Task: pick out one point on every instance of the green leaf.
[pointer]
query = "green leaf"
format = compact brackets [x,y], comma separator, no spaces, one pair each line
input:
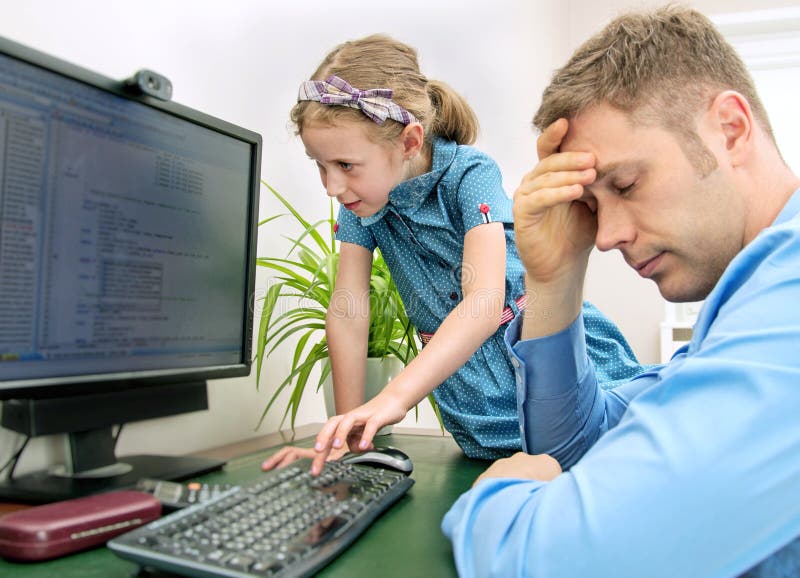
[272,218]
[316,236]
[263,326]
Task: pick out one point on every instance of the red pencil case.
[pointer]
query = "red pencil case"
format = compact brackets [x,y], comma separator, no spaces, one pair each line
[53,530]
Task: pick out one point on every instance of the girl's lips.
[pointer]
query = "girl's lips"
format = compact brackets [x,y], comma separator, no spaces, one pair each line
[352,206]
[647,268]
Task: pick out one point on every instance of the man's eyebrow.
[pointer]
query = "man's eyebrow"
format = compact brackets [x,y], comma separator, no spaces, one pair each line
[605,170]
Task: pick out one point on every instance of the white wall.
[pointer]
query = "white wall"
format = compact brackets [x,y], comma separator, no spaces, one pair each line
[242,60]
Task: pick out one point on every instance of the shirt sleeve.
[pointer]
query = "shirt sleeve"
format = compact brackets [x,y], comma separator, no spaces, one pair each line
[563,411]
[481,198]
[350,230]
[697,476]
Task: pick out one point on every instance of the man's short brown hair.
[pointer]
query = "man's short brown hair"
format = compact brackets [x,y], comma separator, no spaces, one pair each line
[661,67]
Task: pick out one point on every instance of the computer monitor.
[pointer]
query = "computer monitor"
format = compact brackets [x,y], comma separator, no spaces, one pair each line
[127,265]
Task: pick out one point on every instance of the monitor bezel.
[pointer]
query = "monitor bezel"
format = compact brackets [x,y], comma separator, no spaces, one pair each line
[64,386]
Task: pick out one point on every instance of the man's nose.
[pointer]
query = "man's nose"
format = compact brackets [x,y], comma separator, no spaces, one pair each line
[614,227]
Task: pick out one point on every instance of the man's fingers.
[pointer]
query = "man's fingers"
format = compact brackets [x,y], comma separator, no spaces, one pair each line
[544,199]
[574,164]
[554,179]
[550,140]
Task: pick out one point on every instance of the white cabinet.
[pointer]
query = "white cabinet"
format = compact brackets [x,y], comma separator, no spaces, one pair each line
[676,329]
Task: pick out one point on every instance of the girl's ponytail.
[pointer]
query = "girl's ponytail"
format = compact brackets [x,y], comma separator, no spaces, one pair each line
[453,117]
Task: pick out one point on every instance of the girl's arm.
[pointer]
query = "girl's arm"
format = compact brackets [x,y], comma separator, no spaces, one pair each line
[347,331]
[473,321]
[347,326]
[463,331]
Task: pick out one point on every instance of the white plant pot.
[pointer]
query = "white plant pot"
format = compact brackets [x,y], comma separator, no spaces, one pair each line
[380,370]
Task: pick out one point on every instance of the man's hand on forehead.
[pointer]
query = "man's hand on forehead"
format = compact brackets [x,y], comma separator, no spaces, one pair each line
[572,168]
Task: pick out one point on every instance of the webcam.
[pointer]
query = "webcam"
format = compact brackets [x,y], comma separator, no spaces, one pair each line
[150,83]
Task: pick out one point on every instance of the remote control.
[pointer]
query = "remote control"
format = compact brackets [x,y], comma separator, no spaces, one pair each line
[174,495]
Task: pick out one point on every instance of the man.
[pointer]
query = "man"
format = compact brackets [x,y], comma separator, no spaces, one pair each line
[654,142]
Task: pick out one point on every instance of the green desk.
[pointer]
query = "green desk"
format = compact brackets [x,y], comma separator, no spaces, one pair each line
[405,541]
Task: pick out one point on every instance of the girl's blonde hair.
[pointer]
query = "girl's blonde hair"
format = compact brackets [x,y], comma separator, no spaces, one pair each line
[378,61]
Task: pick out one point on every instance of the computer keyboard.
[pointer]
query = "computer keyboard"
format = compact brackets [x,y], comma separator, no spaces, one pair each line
[286,523]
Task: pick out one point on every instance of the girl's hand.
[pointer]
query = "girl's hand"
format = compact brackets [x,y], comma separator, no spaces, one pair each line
[357,427]
[554,223]
[287,455]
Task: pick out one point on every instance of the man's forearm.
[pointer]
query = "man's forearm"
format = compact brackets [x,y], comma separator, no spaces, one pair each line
[551,307]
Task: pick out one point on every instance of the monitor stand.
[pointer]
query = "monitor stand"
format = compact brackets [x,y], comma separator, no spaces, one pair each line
[86,422]
[55,485]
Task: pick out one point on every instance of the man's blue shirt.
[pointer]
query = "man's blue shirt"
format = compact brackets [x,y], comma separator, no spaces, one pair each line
[690,469]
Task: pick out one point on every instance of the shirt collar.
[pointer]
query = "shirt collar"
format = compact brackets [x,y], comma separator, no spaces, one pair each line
[408,196]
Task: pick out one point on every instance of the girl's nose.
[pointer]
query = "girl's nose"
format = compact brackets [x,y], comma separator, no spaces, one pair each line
[335,185]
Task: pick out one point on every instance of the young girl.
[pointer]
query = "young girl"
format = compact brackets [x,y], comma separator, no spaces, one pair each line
[392,148]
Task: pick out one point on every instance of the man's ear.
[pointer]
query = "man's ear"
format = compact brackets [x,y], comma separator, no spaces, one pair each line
[732,114]
[412,138]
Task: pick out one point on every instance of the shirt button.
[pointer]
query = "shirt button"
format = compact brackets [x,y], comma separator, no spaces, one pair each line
[454,296]
[515,362]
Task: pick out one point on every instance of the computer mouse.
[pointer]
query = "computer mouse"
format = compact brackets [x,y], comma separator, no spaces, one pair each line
[385,457]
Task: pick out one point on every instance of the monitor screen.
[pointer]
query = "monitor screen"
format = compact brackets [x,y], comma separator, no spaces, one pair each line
[127,235]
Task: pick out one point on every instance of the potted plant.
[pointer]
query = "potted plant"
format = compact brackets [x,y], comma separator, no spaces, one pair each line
[303,283]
